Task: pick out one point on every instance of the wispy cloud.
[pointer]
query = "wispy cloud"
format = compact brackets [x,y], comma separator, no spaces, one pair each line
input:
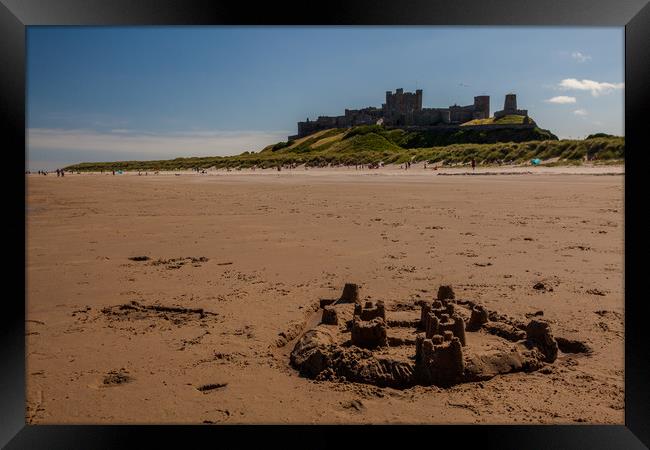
[596,88]
[561,99]
[580,112]
[580,57]
[122,142]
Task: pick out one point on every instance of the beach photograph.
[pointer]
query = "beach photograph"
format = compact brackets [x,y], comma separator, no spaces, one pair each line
[325,225]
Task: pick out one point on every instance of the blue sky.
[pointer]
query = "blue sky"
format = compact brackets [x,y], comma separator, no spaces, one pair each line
[116,93]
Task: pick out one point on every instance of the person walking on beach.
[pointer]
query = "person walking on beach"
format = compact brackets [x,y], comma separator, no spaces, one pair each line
[473,164]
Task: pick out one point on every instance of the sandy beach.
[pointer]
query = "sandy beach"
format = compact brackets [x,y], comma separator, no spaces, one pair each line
[200,331]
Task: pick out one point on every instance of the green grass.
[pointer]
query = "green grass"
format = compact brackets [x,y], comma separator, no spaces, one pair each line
[505,120]
[374,144]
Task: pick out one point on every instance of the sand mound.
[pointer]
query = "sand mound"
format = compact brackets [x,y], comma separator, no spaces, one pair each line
[447,342]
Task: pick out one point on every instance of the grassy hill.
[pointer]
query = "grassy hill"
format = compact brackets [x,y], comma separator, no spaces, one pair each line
[373,144]
[505,120]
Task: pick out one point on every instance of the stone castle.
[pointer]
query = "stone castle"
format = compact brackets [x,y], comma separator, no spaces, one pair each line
[404,109]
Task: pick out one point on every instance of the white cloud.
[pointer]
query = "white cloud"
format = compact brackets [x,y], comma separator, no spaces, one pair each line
[580,112]
[159,145]
[580,57]
[561,99]
[596,88]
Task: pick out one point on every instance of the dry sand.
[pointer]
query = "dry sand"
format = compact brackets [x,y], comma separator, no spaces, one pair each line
[260,248]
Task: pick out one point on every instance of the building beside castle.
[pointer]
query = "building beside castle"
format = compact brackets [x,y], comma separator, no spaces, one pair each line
[404,109]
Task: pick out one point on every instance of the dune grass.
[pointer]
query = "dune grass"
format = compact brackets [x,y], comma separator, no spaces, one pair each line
[375,144]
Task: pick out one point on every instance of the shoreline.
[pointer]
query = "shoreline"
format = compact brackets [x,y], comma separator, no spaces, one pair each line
[390,170]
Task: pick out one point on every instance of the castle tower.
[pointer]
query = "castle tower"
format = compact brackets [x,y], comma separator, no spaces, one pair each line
[482,107]
[511,102]
[510,108]
[418,100]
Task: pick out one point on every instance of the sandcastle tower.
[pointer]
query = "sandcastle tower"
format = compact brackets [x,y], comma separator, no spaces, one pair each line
[539,332]
[439,316]
[369,328]
[350,293]
[478,318]
[439,360]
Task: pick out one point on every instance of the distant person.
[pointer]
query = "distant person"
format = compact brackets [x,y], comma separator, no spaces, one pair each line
[473,164]
[58,173]
[113,172]
[62,173]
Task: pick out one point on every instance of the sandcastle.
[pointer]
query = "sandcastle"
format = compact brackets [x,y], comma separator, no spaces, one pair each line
[449,341]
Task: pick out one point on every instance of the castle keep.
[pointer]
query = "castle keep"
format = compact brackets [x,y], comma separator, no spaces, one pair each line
[404,109]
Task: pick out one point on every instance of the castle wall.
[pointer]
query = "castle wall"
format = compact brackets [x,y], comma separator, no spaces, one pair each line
[512,112]
[461,114]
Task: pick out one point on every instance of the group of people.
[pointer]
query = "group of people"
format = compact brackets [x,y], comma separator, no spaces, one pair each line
[374,165]
[59,172]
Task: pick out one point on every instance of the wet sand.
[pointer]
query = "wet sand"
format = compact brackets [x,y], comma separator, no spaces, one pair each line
[236,258]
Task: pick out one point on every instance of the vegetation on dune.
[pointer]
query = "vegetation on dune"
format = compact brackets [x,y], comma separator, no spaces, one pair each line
[600,135]
[375,144]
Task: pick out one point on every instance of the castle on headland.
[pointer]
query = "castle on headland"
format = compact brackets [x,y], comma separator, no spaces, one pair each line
[404,109]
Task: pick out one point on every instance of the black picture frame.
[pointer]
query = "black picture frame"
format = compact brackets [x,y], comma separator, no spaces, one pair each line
[634,15]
